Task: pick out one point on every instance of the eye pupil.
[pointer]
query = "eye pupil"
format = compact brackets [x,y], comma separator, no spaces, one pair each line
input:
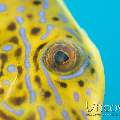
[60,57]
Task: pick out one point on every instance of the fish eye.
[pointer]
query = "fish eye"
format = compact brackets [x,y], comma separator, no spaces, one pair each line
[63,58]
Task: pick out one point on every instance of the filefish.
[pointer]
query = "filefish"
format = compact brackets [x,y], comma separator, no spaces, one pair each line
[49,67]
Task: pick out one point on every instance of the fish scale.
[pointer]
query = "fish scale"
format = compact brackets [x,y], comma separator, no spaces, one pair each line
[33,86]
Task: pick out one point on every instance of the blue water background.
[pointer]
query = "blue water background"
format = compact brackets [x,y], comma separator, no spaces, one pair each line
[101,20]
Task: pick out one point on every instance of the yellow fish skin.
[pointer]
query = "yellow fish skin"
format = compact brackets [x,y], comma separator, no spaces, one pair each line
[49,68]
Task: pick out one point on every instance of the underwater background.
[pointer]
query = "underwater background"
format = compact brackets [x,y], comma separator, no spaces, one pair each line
[101,20]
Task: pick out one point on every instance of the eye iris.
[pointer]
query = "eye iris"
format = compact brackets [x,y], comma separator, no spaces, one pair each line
[60,57]
[63,58]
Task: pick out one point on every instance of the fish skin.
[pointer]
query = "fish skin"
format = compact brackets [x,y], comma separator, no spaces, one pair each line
[29,89]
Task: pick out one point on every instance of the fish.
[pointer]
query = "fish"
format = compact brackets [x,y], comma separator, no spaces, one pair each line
[49,67]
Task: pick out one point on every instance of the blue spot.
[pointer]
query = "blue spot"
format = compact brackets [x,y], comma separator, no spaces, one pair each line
[2,7]
[7,47]
[70,30]
[63,18]
[11,68]
[49,28]
[88,91]
[33,96]
[44,36]
[76,96]
[84,115]
[19,19]
[21,9]
[42,14]
[46,5]
[6,82]
[43,20]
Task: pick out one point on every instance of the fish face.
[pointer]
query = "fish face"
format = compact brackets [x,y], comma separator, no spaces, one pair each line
[49,68]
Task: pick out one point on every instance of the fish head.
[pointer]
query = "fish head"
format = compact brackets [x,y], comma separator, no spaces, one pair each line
[49,67]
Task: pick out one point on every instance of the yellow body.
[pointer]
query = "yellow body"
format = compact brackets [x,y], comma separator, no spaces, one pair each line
[27,88]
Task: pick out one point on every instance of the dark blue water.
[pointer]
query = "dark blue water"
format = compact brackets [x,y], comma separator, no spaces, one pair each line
[101,20]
